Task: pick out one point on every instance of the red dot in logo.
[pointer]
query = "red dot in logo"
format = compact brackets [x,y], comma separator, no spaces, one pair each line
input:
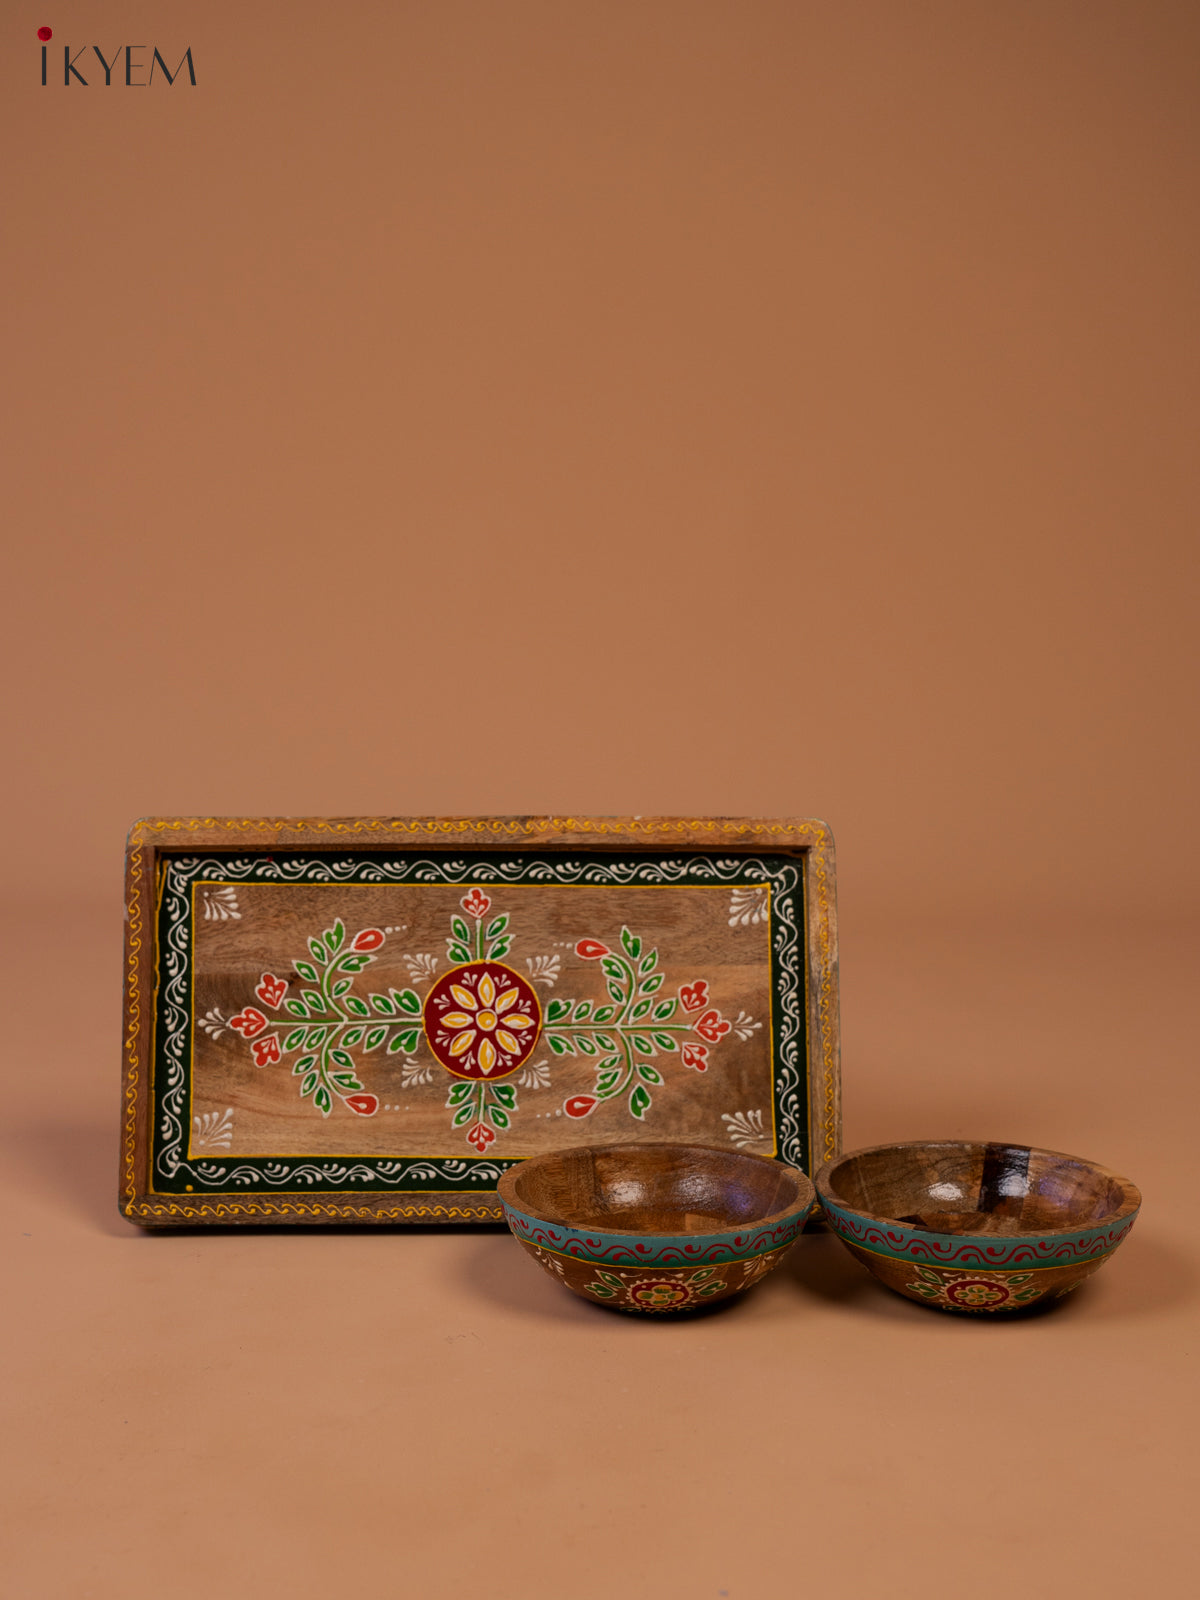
[45,33]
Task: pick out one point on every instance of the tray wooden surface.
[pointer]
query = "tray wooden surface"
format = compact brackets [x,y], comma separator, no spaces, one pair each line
[370,1019]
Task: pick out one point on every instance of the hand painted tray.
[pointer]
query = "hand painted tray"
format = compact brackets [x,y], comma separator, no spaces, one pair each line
[369,1020]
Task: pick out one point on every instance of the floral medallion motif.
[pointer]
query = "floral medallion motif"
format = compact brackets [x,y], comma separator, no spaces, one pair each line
[482,1020]
[663,1291]
[974,1291]
[654,1294]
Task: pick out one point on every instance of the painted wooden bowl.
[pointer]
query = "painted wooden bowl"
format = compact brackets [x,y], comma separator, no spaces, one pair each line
[976,1227]
[655,1227]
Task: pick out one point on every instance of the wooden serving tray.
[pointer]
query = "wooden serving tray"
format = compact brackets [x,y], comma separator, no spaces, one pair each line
[369,1020]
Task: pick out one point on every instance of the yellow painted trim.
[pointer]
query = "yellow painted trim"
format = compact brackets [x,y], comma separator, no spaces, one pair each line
[133,1022]
[475,883]
[181,1206]
[505,827]
[825,1001]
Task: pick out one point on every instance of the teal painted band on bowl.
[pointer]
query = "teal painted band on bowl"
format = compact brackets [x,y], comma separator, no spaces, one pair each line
[657,1249]
[998,1252]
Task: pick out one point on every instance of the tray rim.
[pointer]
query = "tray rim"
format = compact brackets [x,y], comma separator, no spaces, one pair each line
[151,837]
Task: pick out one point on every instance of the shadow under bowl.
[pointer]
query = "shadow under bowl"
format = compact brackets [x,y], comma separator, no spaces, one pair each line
[655,1227]
[974,1227]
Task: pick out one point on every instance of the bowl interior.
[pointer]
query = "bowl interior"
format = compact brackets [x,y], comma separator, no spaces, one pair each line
[980,1188]
[654,1188]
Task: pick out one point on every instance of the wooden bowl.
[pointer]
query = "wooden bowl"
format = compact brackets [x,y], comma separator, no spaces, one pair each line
[655,1227]
[976,1227]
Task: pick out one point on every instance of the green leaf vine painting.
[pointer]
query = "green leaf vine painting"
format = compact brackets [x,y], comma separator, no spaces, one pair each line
[481,1021]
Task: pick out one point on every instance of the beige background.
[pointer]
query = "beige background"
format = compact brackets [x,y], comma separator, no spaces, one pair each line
[613,407]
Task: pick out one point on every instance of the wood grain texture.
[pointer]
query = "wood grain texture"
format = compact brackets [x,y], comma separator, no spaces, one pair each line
[977,1227]
[242,935]
[655,1228]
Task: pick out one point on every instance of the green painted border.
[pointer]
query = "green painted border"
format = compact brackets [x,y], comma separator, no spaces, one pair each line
[174,1174]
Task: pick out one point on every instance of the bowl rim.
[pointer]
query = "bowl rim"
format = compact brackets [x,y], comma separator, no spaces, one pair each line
[1130,1203]
[805,1199]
